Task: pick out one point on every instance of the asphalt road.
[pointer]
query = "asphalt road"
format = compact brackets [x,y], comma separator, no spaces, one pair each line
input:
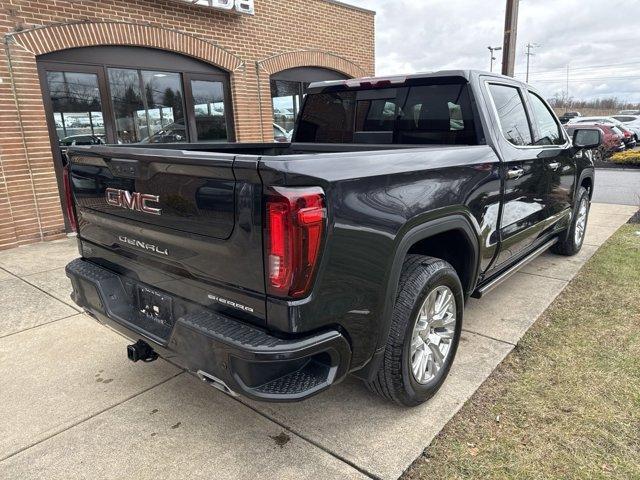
[620,186]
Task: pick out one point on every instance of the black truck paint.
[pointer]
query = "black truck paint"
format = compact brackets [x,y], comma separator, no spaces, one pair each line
[201,263]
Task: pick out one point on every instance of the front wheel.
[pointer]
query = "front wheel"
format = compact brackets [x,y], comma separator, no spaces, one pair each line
[571,243]
[425,331]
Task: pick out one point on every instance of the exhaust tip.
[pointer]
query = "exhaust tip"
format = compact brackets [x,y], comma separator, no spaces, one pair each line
[215,382]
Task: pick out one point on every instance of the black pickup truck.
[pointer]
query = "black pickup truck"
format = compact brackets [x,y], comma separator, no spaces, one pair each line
[274,270]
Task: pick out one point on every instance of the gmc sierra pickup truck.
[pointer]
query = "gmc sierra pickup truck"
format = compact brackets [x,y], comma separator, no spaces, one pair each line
[274,270]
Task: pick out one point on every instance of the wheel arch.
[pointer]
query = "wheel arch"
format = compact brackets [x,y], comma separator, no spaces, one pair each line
[457,224]
[586,180]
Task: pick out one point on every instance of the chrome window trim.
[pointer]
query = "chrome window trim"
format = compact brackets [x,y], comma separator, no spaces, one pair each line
[567,143]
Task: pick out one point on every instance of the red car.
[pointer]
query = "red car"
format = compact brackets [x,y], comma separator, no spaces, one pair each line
[613,140]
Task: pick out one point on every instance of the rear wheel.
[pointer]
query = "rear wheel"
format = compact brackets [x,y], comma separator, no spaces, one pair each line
[571,242]
[425,331]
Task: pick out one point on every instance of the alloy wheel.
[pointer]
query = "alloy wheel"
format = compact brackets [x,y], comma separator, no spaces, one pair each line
[433,334]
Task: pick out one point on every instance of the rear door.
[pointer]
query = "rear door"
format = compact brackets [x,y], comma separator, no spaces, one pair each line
[185,222]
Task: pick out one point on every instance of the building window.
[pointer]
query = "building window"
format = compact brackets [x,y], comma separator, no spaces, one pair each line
[77,108]
[286,97]
[209,111]
[288,89]
[129,95]
[148,106]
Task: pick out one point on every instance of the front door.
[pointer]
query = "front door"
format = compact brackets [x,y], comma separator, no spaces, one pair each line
[559,173]
[524,210]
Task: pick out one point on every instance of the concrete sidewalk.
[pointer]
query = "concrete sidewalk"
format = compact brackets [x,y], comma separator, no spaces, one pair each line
[74,406]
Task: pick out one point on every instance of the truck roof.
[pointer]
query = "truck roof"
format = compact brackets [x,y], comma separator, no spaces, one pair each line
[315,87]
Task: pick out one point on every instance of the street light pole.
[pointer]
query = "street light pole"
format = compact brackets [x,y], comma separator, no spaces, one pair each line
[491,50]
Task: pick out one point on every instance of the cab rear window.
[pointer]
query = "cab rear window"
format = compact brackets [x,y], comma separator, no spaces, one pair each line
[423,114]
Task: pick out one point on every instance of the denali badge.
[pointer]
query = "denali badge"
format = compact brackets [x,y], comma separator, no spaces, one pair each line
[230,303]
[133,201]
[146,246]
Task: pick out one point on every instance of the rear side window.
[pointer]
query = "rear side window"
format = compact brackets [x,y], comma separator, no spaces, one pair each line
[511,114]
[422,114]
[548,129]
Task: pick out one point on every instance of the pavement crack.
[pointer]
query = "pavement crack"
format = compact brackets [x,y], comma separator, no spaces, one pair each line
[489,337]
[546,276]
[77,309]
[89,417]
[40,325]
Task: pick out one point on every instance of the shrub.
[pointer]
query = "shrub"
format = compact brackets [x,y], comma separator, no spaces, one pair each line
[630,157]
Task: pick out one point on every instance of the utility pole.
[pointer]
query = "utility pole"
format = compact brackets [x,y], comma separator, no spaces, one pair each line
[566,105]
[510,35]
[529,55]
[493,49]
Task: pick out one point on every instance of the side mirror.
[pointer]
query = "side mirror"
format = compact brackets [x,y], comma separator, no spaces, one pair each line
[587,138]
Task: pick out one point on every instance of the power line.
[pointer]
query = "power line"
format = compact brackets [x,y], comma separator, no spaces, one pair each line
[587,79]
[584,67]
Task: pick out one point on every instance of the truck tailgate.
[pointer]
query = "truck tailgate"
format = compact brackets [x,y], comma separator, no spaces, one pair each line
[186,222]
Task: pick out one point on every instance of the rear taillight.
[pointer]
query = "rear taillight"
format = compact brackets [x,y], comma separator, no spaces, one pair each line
[68,197]
[295,226]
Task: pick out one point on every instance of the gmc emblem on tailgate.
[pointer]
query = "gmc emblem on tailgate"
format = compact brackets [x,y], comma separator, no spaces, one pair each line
[133,201]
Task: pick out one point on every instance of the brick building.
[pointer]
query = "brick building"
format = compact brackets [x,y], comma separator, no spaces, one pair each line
[136,71]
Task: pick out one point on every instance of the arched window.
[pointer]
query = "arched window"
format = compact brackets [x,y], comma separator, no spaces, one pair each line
[134,95]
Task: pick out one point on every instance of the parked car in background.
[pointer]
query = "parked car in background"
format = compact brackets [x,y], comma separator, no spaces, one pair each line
[82,140]
[632,122]
[612,139]
[280,134]
[630,138]
[568,116]
[629,112]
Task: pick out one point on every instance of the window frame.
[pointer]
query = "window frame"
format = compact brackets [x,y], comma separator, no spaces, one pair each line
[190,113]
[496,116]
[102,69]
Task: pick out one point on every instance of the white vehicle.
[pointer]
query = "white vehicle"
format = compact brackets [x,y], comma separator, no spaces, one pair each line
[629,112]
[630,142]
[632,122]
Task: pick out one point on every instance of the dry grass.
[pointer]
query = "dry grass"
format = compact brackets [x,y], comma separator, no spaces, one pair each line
[566,403]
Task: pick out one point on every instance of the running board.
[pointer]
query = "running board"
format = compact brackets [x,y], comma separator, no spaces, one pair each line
[484,289]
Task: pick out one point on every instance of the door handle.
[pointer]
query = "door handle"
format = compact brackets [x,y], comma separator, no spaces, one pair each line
[554,165]
[515,172]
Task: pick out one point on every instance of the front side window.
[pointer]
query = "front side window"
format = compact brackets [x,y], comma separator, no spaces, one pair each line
[548,129]
[511,114]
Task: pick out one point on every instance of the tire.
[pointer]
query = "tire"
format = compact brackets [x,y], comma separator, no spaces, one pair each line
[598,155]
[571,243]
[395,379]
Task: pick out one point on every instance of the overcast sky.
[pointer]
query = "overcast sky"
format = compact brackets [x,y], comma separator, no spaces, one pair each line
[599,40]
